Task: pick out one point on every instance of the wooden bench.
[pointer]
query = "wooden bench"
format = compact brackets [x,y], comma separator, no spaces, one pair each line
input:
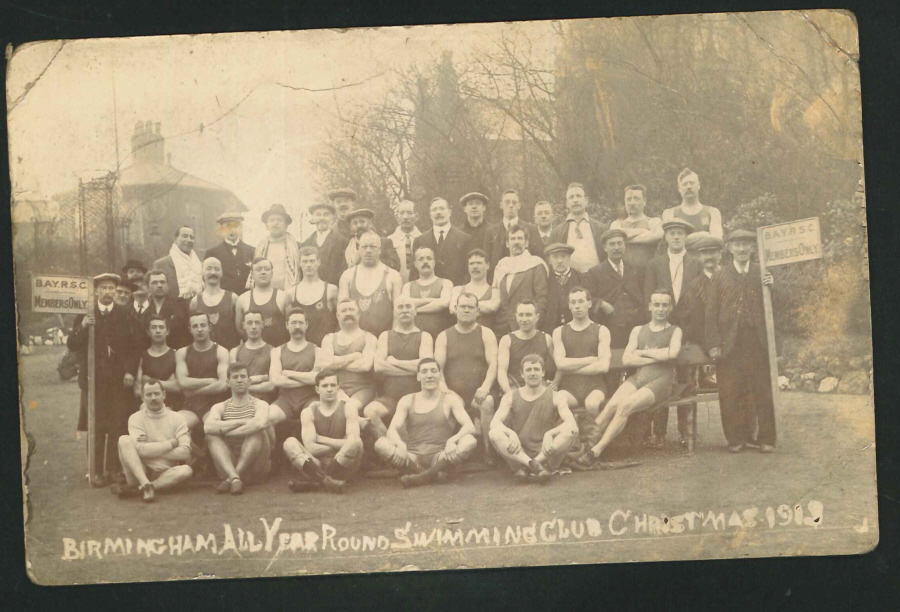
[690,355]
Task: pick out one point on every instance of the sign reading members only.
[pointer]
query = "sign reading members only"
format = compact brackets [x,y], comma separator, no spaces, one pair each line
[60,294]
[791,242]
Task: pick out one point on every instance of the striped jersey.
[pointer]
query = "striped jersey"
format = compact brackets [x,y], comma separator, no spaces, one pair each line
[232,412]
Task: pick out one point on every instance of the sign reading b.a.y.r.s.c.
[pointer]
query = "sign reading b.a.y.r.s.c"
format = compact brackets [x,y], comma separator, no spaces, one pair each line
[63,294]
[791,242]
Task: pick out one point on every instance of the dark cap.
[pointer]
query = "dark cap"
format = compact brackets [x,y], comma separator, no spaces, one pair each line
[701,241]
[558,246]
[673,223]
[133,264]
[326,205]
[361,212]
[473,196]
[342,192]
[277,209]
[107,276]
[741,234]
[612,233]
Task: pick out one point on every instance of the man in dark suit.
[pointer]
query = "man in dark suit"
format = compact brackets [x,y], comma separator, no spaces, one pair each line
[562,278]
[361,222]
[116,360]
[184,277]
[495,243]
[543,219]
[233,253]
[690,314]
[519,277]
[343,200]
[736,341]
[173,310]
[450,246]
[475,204]
[331,243]
[620,289]
[580,231]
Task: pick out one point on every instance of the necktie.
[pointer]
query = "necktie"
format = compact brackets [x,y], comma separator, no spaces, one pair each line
[620,270]
[578,233]
[409,257]
[441,239]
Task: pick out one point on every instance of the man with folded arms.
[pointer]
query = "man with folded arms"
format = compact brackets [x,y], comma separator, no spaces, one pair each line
[156,449]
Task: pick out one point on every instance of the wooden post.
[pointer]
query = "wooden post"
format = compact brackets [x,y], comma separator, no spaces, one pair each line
[770,336]
[92,391]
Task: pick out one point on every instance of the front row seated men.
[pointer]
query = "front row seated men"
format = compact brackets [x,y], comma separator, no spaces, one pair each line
[652,349]
[533,428]
[432,443]
[236,434]
[156,449]
[331,451]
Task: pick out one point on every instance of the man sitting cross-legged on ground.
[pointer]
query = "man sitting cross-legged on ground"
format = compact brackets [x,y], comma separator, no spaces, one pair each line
[396,361]
[156,449]
[330,434]
[652,348]
[533,428]
[429,419]
[236,434]
[350,352]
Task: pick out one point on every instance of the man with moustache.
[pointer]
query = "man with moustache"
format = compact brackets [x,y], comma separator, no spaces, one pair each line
[124,292]
[350,353]
[255,353]
[495,242]
[423,440]
[515,346]
[474,205]
[316,297]
[642,233]
[279,248]
[478,285]
[518,277]
[372,285]
[543,219]
[448,244]
[218,303]
[343,201]
[141,298]
[563,277]
[133,271]
[690,313]
[116,357]
[200,369]
[233,253]
[172,309]
[158,363]
[580,231]
[157,448]
[361,221]
[430,294]
[265,299]
[182,266]
[397,356]
[332,451]
[736,340]
[702,218]
[619,287]
[404,236]
[467,355]
[330,243]
[236,433]
[533,429]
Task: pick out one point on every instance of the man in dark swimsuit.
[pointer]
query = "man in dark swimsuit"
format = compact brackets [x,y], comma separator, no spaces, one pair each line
[430,417]
[397,358]
[265,299]
[430,294]
[533,428]
[218,303]
[372,285]
[200,369]
[331,452]
[158,363]
[255,353]
[316,297]
[467,354]
[350,352]
[527,340]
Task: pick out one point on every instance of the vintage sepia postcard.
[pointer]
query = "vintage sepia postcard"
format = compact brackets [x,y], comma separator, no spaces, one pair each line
[441,297]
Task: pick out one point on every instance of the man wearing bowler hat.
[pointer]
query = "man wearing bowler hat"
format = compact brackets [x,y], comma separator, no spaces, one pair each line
[233,253]
[116,359]
[280,248]
[330,242]
[736,341]
[343,200]
[619,288]
[133,271]
[474,204]
[361,221]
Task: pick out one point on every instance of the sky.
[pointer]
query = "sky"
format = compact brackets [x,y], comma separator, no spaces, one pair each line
[235,109]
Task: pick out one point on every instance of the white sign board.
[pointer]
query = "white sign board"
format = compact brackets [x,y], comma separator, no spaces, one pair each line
[62,294]
[790,242]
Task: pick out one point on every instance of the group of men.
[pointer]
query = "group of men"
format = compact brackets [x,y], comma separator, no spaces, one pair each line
[420,348]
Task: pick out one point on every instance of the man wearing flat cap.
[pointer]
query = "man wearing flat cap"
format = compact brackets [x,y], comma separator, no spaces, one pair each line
[343,200]
[563,277]
[619,289]
[736,341]
[233,253]
[474,204]
[116,360]
[280,248]
[361,221]
[690,314]
[330,242]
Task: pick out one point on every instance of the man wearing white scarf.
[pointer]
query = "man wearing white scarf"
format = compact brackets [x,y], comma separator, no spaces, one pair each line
[182,266]
[520,276]
[280,248]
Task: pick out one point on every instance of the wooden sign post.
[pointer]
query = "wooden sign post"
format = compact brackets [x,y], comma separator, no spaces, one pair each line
[778,245]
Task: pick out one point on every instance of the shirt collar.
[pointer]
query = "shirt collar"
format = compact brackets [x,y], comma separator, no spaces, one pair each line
[583,217]
[708,274]
[415,233]
[104,309]
[509,222]
[325,233]
[443,228]
[234,244]
[676,255]
[743,270]
[142,306]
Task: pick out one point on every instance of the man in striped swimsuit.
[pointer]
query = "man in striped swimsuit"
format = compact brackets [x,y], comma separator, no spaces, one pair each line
[236,434]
